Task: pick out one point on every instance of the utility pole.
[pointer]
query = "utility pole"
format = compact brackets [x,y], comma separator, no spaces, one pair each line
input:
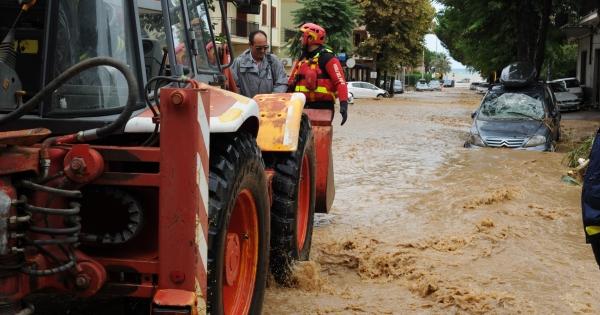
[423,73]
[271,26]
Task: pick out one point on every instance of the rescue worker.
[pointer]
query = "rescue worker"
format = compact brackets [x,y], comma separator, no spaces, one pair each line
[256,71]
[318,73]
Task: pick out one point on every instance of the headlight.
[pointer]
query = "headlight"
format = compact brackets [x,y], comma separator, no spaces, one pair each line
[476,140]
[535,141]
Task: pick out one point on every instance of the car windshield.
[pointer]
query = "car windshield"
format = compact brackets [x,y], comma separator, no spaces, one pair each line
[518,105]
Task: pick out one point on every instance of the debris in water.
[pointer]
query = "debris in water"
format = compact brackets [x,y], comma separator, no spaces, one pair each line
[323,219]
[570,180]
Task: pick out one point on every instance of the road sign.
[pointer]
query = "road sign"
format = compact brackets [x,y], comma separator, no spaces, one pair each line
[350,63]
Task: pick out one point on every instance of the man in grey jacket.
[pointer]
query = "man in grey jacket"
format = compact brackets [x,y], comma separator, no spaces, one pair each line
[257,72]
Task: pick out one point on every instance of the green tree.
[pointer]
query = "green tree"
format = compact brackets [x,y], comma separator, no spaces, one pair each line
[437,61]
[337,17]
[397,29]
[489,34]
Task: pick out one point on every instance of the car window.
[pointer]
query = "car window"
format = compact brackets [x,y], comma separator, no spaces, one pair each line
[517,105]
[370,86]
[572,83]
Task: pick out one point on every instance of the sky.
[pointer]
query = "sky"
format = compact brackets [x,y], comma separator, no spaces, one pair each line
[433,43]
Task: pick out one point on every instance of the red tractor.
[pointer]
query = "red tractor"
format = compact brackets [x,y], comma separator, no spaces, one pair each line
[129,167]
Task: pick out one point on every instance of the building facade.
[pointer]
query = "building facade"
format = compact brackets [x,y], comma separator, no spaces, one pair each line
[241,25]
[587,37]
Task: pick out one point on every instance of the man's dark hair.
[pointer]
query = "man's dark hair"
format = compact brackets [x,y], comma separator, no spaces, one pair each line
[253,33]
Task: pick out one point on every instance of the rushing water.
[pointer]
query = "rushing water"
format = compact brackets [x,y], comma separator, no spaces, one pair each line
[421,225]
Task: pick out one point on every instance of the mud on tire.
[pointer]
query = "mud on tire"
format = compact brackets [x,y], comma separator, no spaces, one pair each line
[290,240]
[236,171]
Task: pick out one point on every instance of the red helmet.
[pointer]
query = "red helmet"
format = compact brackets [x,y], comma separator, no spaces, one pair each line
[312,34]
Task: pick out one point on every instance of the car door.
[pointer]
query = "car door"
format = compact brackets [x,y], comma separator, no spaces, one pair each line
[364,89]
[371,90]
[358,90]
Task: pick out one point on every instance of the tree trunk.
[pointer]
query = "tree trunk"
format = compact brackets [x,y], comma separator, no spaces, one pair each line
[523,31]
[541,41]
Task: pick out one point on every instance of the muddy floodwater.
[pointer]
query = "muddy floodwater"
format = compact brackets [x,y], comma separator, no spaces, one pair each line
[421,225]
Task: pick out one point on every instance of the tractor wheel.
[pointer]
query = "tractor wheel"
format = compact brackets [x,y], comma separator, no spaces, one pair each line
[293,208]
[238,237]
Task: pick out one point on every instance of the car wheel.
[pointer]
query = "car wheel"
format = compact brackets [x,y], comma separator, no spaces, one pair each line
[379,96]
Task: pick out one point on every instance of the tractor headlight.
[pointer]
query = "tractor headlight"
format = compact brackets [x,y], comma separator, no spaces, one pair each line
[535,141]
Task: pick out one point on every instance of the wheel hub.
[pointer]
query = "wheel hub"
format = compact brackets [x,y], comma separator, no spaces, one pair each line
[232,258]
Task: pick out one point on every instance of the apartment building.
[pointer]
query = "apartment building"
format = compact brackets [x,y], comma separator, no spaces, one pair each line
[241,25]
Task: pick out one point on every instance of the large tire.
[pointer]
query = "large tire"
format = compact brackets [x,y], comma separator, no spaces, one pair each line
[239,230]
[293,208]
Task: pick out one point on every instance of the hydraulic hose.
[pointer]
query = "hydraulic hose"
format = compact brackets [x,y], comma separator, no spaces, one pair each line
[90,134]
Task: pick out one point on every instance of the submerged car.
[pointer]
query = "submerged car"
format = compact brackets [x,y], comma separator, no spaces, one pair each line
[423,86]
[448,83]
[564,99]
[516,117]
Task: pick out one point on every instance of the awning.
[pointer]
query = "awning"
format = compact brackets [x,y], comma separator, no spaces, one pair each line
[576,31]
[590,19]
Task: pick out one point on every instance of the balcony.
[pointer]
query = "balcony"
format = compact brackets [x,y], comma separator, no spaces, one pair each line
[241,28]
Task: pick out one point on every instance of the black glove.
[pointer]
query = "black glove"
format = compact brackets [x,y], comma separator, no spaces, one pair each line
[344,111]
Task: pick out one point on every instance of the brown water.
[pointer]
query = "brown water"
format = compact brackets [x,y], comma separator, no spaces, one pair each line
[421,225]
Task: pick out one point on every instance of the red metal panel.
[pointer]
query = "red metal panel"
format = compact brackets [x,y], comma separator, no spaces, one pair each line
[129,179]
[141,266]
[129,154]
[183,216]
[325,184]
[319,117]
[19,159]
[320,120]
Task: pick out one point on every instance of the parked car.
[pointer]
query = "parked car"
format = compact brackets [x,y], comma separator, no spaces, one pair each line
[350,98]
[360,89]
[398,86]
[435,85]
[473,86]
[564,99]
[572,85]
[517,117]
[422,86]
[448,83]
[482,87]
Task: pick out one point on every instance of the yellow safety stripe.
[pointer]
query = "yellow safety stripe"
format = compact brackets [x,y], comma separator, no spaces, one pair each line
[320,89]
[592,230]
